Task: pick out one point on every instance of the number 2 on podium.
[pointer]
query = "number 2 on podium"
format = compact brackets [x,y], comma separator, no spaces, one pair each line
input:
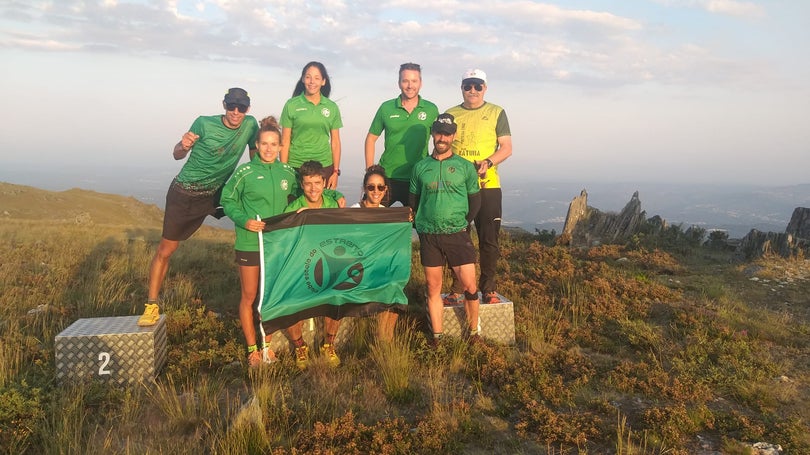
[104,358]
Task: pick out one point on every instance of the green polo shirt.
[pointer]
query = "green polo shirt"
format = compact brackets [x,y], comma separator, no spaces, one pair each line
[406,135]
[311,126]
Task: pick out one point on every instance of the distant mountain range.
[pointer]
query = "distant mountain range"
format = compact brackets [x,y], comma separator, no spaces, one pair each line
[528,205]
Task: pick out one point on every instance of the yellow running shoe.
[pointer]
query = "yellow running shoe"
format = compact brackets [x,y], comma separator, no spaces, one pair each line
[150,316]
[328,350]
[302,357]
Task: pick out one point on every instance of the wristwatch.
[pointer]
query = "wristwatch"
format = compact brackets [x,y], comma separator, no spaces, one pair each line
[336,171]
[489,162]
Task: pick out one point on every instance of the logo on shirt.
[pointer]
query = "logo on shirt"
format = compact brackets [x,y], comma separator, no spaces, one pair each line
[285,184]
[325,112]
[335,264]
[422,115]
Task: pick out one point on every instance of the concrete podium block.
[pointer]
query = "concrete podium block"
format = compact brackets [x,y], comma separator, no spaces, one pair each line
[313,333]
[496,321]
[110,349]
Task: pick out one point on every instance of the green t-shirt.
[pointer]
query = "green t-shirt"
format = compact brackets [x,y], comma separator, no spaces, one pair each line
[311,128]
[301,202]
[443,188]
[406,135]
[215,154]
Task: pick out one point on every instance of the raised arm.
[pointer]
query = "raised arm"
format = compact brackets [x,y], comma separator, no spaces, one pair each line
[182,148]
[371,140]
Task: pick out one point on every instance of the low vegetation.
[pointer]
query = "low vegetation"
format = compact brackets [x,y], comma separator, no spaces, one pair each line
[661,346]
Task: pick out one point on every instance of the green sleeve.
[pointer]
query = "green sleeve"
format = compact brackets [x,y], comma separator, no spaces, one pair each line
[231,200]
[502,126]
[377,125]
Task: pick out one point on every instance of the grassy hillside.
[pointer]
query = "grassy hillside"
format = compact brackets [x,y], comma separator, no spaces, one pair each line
[620,349]
[75,205]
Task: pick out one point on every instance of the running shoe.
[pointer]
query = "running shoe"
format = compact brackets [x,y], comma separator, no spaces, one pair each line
[491,297]
[453,298]
[328,350]
[302,357]
[150,316]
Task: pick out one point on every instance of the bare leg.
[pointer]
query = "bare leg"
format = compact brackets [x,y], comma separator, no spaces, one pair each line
[433,278]
[386,321]
[330,326]
[296,332]
[466,274]
[249,277]
[160,265]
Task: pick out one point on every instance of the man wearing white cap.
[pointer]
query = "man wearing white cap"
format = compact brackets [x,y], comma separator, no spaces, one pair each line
[484,139]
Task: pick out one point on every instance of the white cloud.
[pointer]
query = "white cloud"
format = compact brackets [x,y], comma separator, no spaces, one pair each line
[727,7]
[734,8]
[586,46]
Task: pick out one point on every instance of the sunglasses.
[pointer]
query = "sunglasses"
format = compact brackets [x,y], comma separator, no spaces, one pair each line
[468,87]
[231,106]
[377,187]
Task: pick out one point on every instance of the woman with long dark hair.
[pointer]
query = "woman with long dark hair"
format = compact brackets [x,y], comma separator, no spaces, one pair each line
[311,124]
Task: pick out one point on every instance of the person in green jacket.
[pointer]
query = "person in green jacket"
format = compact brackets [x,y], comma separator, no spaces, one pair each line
[259,189]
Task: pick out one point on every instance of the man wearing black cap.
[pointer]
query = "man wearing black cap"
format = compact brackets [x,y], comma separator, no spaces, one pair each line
[485,140]
[444,195]
[214,144]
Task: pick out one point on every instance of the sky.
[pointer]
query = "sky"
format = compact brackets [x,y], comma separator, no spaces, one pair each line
[685,91]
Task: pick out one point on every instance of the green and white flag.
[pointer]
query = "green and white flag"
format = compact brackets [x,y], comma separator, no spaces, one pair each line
[333,262]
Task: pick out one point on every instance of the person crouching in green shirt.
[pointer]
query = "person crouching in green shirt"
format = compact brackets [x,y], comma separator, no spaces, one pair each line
[312,184]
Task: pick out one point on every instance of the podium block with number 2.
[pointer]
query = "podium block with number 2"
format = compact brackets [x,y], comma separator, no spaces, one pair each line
[110,349]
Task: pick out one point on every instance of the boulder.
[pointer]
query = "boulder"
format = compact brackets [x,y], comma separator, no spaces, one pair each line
[799,225]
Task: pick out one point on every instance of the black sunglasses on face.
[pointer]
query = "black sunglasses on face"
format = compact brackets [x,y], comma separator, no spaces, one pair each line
[468,87]
[378,187]
[239,107]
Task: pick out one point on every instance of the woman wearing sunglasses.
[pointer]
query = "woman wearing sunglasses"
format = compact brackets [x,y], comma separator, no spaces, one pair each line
[375,194]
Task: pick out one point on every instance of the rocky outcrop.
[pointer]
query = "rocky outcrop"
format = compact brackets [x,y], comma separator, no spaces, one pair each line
[799,226]
[794,241]
[577,210]
[587,226]
[757,243]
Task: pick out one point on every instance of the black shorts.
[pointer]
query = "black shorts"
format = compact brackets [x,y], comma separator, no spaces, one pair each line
[398,190]
[186,211]
[247,258]
[453,249]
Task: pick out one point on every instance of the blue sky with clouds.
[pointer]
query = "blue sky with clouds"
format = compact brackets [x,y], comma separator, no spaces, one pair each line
[708,91]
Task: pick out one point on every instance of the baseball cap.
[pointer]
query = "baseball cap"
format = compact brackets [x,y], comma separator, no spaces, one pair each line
[474,75]
[444,124]
[237,95]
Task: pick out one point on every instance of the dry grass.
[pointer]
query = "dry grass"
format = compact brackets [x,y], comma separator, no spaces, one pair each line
[618,351]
